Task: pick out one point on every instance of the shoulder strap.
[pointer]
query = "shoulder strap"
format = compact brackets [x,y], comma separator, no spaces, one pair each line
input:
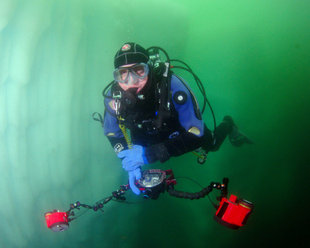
[164,90]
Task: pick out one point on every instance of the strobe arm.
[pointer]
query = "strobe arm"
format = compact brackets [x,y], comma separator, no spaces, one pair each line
[205,191]
[58,221]
[116,195]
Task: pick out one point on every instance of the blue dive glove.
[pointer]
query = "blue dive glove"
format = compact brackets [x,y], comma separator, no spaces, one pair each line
[133,158]
[133,176]
[132,161]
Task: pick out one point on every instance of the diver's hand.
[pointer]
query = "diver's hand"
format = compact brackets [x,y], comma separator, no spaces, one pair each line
[132,158]
[133,176]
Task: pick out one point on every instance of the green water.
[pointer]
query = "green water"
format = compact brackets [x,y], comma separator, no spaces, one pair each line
[56,57]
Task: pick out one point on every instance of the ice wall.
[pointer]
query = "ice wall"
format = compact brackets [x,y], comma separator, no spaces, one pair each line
[55,59]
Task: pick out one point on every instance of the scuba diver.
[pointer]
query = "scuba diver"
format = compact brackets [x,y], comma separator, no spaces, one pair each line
[151,114]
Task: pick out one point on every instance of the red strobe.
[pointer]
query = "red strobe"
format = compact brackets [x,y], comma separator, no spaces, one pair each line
[233,213]
[57,221]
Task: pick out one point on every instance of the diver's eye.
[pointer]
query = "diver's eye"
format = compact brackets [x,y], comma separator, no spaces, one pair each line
[139,70]
[123,73]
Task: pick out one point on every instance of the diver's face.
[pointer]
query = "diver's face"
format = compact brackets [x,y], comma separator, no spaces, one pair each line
[132,76]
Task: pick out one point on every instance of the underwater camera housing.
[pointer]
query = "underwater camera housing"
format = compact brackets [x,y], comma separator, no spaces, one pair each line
[154,182]
[233,212]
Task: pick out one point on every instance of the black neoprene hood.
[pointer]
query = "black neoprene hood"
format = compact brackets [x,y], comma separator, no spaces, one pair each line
[130,53]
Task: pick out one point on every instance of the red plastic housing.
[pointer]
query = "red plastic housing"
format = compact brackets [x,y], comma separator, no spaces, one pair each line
[233,213]
[57,221]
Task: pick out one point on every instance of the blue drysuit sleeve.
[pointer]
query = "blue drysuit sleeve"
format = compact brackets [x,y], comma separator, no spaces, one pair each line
[185,104]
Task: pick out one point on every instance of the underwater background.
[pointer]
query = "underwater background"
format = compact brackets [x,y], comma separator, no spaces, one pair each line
[56,56]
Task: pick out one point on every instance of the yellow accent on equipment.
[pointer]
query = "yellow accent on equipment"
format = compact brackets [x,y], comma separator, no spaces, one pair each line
[194,130]
[125,133]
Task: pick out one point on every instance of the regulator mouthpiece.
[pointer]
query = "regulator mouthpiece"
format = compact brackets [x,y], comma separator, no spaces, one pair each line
[57,221]
[233,212]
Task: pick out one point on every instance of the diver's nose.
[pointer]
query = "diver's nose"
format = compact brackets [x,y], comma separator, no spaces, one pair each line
[132,80]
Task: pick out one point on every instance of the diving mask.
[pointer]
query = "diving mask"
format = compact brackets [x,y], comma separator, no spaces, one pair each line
[137,71]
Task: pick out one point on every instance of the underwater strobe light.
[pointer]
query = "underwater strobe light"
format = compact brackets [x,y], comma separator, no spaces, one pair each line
[233,212]
[57,221]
